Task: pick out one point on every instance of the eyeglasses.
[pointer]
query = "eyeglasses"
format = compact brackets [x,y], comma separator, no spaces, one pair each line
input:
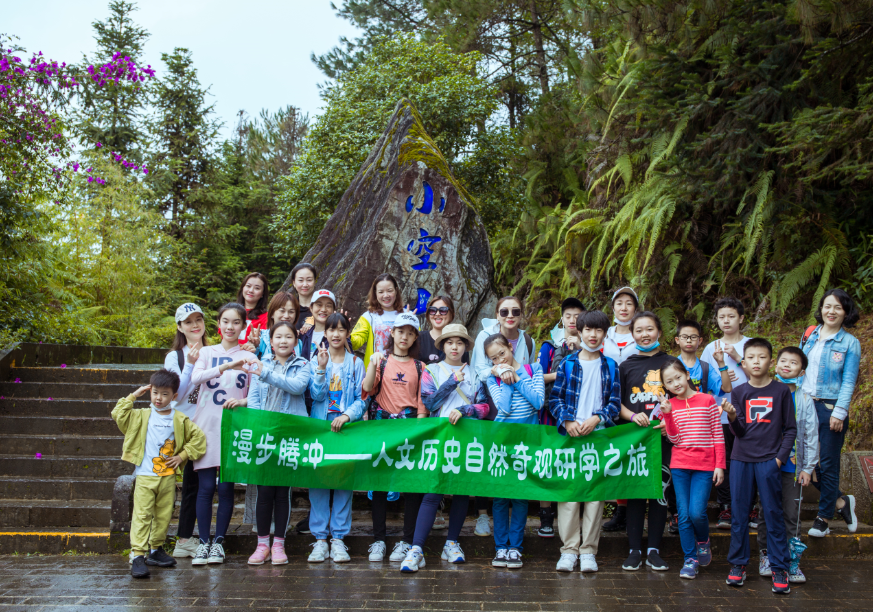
[442,310]
[689,338]
[504,312]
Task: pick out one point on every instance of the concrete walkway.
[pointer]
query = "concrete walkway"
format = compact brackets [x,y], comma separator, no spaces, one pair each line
[103,583]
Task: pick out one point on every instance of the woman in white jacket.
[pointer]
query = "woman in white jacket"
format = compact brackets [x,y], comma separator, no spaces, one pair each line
[508,319]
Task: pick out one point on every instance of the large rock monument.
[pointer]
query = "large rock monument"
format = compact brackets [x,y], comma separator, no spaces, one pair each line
[406,214]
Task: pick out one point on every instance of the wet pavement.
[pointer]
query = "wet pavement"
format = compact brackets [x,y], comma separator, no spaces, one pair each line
[103,583]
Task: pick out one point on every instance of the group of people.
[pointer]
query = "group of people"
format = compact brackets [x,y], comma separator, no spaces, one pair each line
[724,421]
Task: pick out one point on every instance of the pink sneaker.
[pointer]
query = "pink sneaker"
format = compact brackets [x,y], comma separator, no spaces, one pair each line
[261,555]
[279,556]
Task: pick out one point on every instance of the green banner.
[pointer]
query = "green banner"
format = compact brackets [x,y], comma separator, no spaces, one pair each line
[433,456]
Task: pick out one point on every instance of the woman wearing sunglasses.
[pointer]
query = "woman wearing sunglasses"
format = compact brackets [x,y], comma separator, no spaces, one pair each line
[508,313]
[440,312]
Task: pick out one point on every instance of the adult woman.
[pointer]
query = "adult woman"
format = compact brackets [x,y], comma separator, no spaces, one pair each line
[508,312]
[834,357]
[252,294]
[641,386]
[303,278]
[440,312]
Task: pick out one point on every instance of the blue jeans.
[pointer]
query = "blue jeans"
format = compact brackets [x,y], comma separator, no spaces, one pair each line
[768,476]
[509,533]
[325,520]
[828,469]
[692,494]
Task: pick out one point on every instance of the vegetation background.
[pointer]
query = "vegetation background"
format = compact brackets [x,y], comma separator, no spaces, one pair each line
[691,149]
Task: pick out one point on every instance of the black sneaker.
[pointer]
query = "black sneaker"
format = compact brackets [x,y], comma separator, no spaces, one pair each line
[737,576]
[753,519]
[724,518]
[618,520]
[160,558]
[673,527]
[303,526]
[654,560]
[138,568]
[847,512]
[547,523]
[780,582]
[633,561]
[819,528]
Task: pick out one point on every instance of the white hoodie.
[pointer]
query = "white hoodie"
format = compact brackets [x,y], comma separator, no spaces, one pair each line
[479,361]
[616,352]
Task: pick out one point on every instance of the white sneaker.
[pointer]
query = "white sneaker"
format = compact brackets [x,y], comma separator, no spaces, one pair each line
[452,553]
[587,563]
[399,552]
[439,522]
[216,554]
[186,549]
[339,552]
[202,555]
[499,559]
[320,552]
[377,551]
[567,562]
[483,526]
[513,559]
[413,561]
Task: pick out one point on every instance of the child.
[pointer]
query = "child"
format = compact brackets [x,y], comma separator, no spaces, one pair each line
[283,307]
[765,430]
[220,374]
[729,314]
[335,388]
[517,392]
[303,278]
[791,364]
[451,391]
[586,397]
[277,385]
[401,399]
[373,330]
[714,381]
[253,292]
[157,440]
[693,425]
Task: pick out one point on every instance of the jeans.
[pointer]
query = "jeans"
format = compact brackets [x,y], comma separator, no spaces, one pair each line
[326,519]
[188,509]
[692,494]
[768,476]
[274,505]
[427,513]
[828,469]
[205,493]
[509,532]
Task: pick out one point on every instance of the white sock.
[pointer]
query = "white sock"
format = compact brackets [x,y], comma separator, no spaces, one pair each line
[154,550]
[649,551]
[265,540]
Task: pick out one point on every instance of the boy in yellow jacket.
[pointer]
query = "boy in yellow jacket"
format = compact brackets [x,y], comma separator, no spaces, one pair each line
[158,440]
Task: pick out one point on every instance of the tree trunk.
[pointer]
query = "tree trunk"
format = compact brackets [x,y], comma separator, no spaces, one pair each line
[540,50]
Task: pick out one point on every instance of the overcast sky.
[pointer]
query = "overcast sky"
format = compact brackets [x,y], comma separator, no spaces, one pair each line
[254,54]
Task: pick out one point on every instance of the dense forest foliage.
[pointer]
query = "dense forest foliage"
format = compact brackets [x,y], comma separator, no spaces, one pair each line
[692,149]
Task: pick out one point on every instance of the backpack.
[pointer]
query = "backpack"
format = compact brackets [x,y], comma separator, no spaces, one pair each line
[806,335]
[492,406]
[704,376]
[374,404]
[195,394]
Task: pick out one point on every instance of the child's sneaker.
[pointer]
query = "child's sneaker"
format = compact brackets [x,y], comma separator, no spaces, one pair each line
[216,553]
[160,558]
[278,553]
[690,569]
[633,561]
[499,559]
[587,563]
[547,523]
[654,560]
[139,569]
[673,525]
[567,563]
[188,548]
[764,564]
[377,551]
[753,518]
[513,559]
[319,552]
[847,512]
[202,555]
[399,552]
[339,552]
[819,528]
[724,518]
[780,582]
[704,553]
[796,575]
[413,561]
[452,553]
[737,576]
[483,526]
[260,556]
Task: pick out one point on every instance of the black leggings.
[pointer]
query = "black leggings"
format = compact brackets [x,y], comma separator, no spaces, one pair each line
[636,516]
[273,503]
[427,513]
[410,515]
[205,493]
[188,509]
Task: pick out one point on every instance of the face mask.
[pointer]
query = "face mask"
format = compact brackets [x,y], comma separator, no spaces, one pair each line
[650,348]
[618,321]
[592,350]
[788,381]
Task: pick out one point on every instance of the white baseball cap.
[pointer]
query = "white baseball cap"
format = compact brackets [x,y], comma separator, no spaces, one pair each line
[186,310]
[324,293]
[407,318]
[628,291]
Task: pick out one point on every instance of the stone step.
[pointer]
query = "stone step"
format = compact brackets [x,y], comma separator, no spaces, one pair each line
[59,466]
[63,390]
[31,406]
[63,425]
[13,487]
[82,375]
[54,513]
[67,446]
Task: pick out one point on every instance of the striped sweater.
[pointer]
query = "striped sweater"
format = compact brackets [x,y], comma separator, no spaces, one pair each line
[694,427]
[520,402]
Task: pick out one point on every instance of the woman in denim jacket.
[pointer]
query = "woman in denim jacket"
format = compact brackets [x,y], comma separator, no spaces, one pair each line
[834,357]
